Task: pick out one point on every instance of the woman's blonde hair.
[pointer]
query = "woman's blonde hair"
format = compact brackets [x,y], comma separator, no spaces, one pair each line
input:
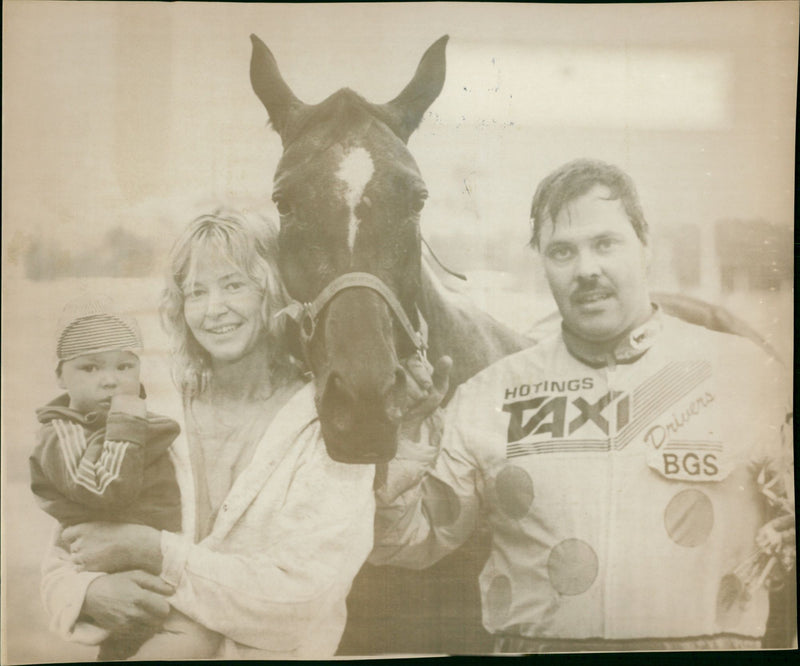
[251,246]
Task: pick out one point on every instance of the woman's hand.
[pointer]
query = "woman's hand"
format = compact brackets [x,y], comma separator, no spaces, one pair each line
[127,601]
[111,547]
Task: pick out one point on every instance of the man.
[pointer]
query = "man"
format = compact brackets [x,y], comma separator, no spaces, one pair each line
[625,465]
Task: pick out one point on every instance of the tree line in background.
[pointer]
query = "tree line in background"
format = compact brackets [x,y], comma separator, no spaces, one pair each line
[120,252]
[751,255]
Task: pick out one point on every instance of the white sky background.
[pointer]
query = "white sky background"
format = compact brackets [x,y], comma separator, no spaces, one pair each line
[142,114]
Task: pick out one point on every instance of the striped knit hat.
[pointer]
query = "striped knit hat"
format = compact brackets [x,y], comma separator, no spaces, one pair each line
[92,325]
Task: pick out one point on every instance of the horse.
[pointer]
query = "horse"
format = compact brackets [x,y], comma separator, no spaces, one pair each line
[350,195]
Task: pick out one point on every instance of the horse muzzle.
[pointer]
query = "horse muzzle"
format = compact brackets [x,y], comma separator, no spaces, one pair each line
[361,388]
[361,429]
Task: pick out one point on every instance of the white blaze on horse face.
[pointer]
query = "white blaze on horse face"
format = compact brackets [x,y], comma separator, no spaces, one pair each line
[355,171]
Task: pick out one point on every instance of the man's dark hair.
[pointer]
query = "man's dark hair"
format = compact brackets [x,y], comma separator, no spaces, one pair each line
[575,179]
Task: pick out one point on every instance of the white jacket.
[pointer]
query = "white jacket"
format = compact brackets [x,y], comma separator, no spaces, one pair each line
[273,575]
[618,497]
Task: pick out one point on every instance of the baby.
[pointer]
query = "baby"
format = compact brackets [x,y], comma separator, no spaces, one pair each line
[100,455]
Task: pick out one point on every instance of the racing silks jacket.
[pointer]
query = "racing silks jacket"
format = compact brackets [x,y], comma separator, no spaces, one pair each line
[621,492]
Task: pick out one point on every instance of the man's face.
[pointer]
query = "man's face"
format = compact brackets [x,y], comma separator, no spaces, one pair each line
[92,380]
[596,267]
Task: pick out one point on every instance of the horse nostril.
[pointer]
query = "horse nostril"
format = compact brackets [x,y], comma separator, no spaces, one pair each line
[341,422]
[337,404]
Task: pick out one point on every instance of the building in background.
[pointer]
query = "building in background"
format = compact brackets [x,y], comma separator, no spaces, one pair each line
[754,255]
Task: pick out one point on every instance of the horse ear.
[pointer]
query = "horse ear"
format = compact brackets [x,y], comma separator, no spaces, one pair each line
[270,87]
[407,108]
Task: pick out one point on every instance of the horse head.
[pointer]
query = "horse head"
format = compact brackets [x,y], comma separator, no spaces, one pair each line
[349,195]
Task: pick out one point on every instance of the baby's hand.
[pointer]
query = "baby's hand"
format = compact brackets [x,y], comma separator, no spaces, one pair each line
[132,405]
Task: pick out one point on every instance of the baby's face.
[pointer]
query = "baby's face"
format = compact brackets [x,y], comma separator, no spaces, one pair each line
[92,380]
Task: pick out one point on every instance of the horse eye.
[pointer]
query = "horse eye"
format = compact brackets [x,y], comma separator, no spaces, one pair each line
[283,206]
[418,203]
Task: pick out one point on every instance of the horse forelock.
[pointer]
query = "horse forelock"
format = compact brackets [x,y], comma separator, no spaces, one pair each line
[340,114]
[344,119]
[342,154]
[353,182]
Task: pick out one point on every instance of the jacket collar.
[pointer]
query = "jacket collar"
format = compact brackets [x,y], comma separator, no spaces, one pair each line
[59,409]
[628,349]
[279,441]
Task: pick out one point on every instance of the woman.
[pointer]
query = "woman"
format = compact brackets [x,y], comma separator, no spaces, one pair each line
[276,530]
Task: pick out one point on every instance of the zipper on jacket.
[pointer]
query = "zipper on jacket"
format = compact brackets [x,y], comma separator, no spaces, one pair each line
[608,546]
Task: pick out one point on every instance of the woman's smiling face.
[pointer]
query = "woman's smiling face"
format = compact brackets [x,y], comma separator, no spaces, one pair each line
[222,307]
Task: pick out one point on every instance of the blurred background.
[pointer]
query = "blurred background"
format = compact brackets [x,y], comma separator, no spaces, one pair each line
[123,121]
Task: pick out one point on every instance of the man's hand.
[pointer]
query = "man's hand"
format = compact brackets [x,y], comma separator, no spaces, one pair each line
[427,387]
[127,601]
[111,547]
[777,538]
[426,391]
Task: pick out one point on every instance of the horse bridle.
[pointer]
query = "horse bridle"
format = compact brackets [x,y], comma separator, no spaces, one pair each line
[306,315]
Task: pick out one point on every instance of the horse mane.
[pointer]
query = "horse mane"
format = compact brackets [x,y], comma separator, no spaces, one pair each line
[461,330]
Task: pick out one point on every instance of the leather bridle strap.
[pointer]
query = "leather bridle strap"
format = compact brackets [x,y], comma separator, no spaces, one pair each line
[307,314]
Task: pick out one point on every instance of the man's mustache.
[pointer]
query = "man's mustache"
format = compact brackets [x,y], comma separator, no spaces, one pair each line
[590,289]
